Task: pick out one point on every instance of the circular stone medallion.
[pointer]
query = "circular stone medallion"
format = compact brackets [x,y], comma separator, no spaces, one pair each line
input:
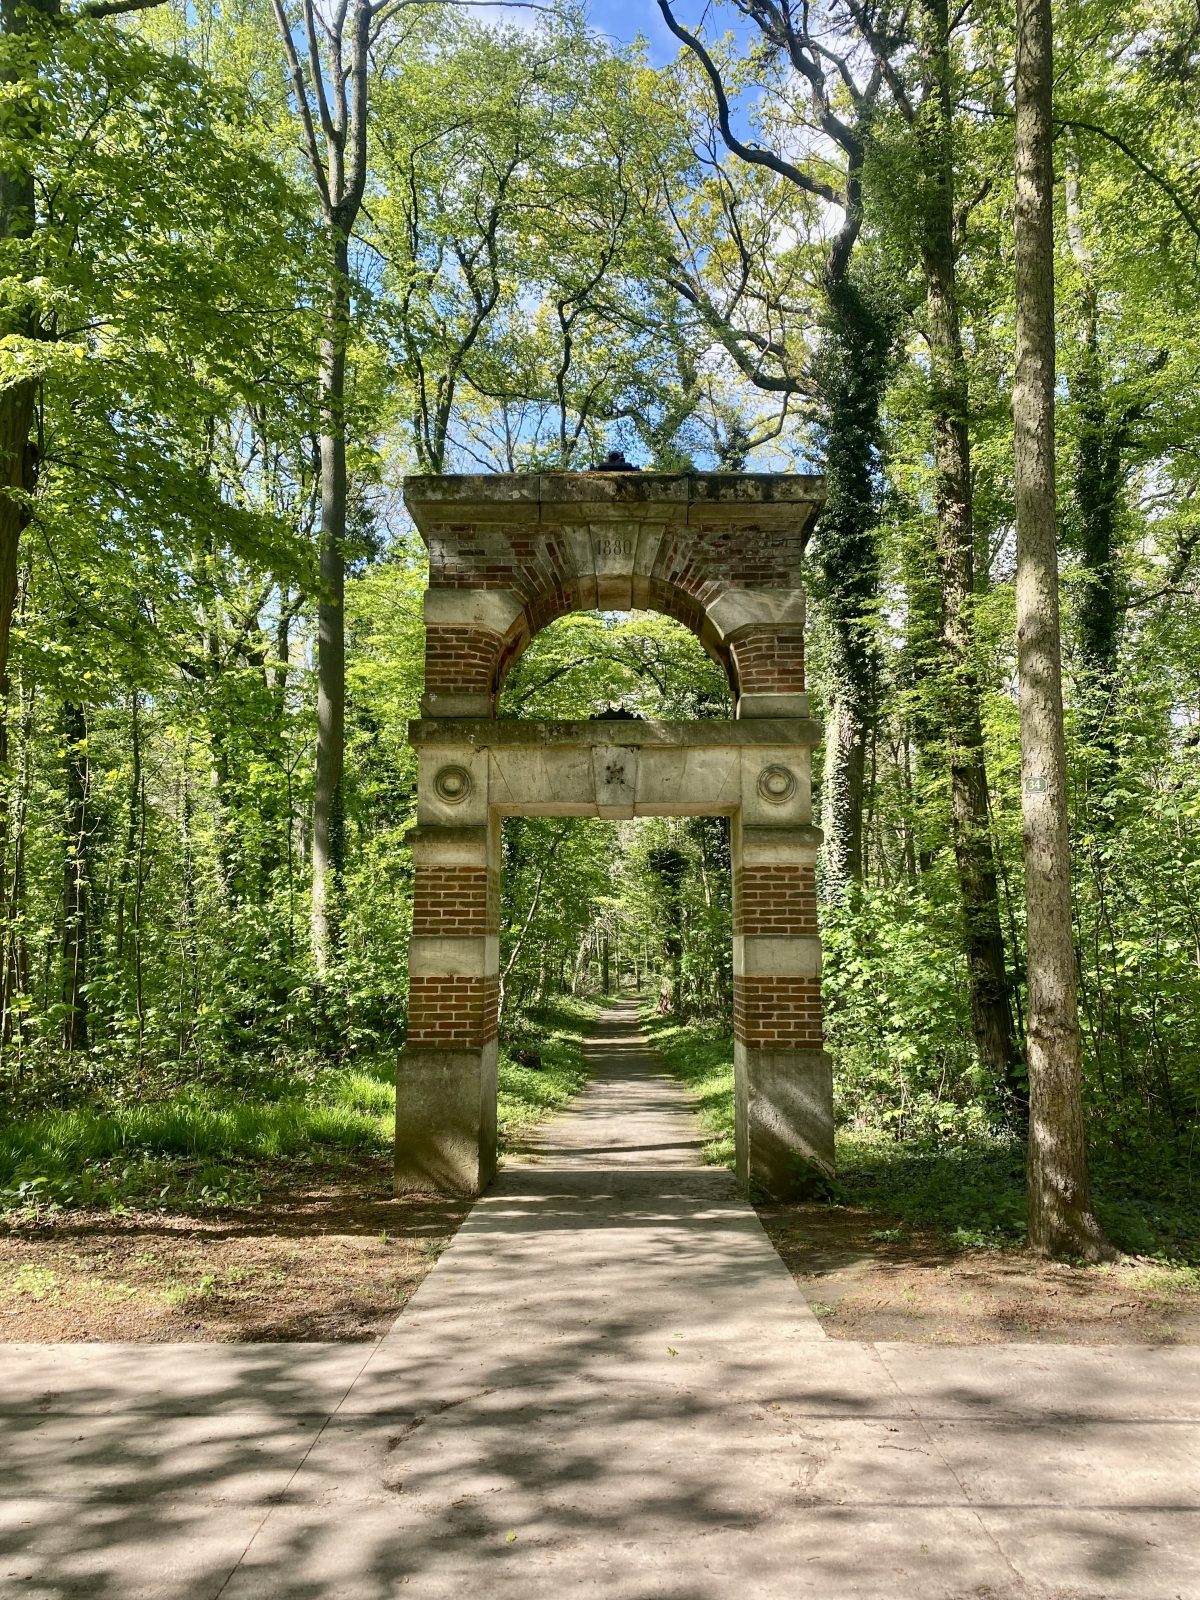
[452,784]
[776,784]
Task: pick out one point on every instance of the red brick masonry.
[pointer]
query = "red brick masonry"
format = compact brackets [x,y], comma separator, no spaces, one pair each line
[454,902]
[461,660]
[453,1010]
[778,1013]
[769,660]
[777,899]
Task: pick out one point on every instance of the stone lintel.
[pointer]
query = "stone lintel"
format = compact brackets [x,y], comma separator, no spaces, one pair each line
[491,732]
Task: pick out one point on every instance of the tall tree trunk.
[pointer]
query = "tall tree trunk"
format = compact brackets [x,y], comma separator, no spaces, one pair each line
[76,884]
[125,872]
[16,978]
[1060,1218]
[853,368]
[991,1009]
[1098,483]
[18,460]
[335,137]
[328,845]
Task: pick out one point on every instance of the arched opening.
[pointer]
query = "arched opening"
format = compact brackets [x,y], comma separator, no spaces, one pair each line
[683,618]
[639,663]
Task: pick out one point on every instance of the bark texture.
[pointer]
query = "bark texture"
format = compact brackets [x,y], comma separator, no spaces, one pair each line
[852,371]
[1060,1218]
[991,1008]
[328,846]
[76,880]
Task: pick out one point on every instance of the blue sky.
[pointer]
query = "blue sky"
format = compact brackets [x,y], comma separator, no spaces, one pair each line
[625,19]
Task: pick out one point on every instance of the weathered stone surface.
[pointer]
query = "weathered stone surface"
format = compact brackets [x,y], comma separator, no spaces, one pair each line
[446,1119]
[784,1118]
[492,732]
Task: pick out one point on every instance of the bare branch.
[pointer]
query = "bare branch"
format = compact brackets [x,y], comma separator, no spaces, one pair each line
[318,77]
[1147,171]
[312,145]
[756,154]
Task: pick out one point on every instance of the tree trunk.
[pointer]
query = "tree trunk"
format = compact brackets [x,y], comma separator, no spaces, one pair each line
[846,735]
[18,461]
[16,976]
[853,368]
[328,843]
[1060,1219]
[991,1009]
[125,871]
[1098,483]
[75,879]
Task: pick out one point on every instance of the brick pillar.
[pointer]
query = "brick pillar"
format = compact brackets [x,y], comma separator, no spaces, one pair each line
[446,1081]
[783,1079]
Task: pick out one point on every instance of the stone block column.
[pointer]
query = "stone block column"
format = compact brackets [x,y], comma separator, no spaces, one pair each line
[446,1079]
[783,1078]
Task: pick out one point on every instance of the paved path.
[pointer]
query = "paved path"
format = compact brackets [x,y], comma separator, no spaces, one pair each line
[608,1386]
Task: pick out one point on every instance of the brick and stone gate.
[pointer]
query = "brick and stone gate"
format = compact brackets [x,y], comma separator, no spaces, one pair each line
[721,553]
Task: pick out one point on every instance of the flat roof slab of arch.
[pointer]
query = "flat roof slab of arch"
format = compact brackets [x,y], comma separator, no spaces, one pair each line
[763,499]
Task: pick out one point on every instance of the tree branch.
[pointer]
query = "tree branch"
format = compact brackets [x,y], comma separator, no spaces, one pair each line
[312,147]
[115,8]
[1143,167]
[756,154]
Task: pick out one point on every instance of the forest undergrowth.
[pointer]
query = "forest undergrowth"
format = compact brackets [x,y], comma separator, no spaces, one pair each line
[969,1191]
[204,1147]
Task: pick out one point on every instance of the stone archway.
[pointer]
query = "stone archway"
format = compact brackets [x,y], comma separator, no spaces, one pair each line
[721,553]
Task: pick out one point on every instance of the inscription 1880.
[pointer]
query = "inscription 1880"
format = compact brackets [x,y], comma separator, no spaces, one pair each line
[614,547]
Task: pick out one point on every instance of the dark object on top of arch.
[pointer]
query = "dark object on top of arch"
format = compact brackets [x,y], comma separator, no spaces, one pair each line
[615,714]
[614,461]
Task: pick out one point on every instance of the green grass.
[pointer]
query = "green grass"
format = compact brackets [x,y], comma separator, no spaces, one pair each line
[527,1095]
[703,1058]
[193,1147]
[971,1193]
[201,1147]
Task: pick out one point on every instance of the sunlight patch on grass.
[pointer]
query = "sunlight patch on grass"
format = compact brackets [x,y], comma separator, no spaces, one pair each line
[200,1147]
[968,1188]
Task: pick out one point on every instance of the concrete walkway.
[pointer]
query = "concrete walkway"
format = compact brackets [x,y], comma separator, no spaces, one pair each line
[608,1386]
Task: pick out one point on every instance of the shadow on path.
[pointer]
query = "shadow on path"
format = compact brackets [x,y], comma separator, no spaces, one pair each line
[608,1385]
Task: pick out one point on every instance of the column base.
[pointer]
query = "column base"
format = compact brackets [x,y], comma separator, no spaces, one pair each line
[783,1120]
[446,1120]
